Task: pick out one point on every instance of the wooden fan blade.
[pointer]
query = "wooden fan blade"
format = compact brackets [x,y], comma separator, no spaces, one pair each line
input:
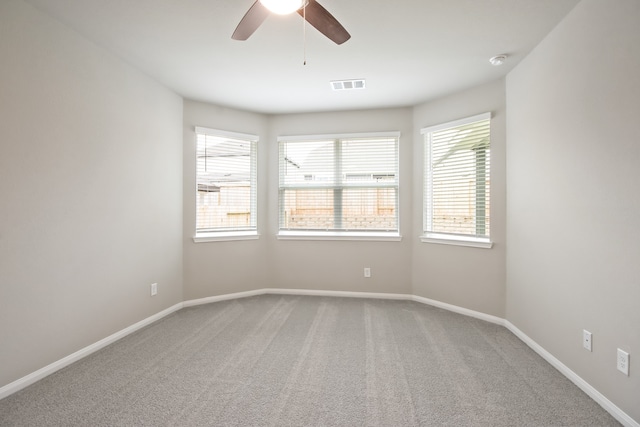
[250,21]
[324,22]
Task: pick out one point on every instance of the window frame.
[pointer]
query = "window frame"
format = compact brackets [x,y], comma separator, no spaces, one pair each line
[226,234]
[357,235]
[429,236]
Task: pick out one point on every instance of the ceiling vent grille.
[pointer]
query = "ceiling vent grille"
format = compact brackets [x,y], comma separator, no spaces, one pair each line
[347,84]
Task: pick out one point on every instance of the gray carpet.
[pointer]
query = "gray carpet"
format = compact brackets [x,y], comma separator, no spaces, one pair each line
[309,361]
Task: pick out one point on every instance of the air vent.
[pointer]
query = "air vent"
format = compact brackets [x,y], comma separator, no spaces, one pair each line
[347,84]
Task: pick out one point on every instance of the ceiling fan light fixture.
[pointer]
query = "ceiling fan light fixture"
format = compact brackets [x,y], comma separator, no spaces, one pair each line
[282,7]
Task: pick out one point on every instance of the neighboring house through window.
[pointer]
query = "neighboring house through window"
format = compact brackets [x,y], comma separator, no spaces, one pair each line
[226,185]
[457,182]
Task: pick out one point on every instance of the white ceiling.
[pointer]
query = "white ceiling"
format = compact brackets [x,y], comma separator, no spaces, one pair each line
[409,51]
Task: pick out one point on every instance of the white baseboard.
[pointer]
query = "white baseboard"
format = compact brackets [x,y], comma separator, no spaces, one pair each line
[615,411]
[610,407]
[27,380]
[225,297]
[308,292]
[344,294]
[460,310]
[373,295]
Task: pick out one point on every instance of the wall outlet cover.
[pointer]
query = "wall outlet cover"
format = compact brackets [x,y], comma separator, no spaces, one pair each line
[623,362]
[587,340]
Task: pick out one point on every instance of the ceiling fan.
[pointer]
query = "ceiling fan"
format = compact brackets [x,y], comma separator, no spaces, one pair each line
[310,10]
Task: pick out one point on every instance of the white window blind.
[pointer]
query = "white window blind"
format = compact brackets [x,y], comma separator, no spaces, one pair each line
[339,183]
[457,178]
[226,196]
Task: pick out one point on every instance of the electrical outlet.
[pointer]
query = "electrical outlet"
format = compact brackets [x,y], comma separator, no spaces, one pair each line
[367,272]
[154,289]
[586,340]
[623,362]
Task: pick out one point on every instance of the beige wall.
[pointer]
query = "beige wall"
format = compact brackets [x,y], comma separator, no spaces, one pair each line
[97,179]
[573,200]
[407,267]
[338,265]
[472,278]
[90,193]
[216,268]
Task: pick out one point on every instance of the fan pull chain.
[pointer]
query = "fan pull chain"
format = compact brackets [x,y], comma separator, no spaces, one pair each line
[304,33]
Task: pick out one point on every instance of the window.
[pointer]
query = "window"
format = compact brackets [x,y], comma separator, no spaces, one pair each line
[226,182]
[457,182]
[339,186]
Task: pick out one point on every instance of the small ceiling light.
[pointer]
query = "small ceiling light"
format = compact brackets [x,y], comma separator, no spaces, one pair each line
[283,7]
[498,60]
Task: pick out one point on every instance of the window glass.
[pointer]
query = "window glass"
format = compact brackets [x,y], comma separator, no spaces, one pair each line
[457,178]
[226,181]
[339,184]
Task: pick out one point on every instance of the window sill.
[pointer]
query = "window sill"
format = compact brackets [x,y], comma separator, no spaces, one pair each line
[336,235]
[225,236]
[443,239]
